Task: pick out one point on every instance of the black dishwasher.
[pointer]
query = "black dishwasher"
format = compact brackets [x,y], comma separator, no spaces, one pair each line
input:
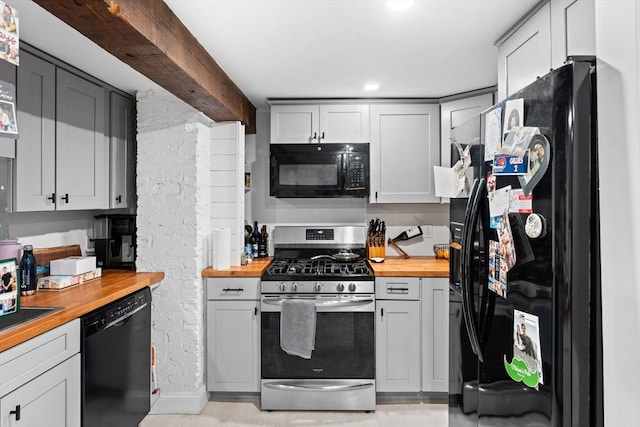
[116,347]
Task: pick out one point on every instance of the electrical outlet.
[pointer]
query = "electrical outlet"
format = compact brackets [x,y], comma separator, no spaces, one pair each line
[427,230]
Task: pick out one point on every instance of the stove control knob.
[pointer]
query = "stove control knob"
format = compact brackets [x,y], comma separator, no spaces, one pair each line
[283,286]
[294,286]
[318,287]
[340,287]
[352,287]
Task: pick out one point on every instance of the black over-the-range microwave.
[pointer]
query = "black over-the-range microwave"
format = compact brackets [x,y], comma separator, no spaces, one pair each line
[319,170]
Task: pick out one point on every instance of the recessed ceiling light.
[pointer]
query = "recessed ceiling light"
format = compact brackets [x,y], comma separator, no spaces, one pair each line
[370,87]
[399,4]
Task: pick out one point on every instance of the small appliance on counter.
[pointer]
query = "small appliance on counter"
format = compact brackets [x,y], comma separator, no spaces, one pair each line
[115,240]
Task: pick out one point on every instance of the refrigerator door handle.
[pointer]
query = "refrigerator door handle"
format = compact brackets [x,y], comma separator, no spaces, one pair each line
[475,216]
[467,255]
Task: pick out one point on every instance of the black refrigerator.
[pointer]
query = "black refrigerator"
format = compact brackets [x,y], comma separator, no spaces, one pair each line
[525,307]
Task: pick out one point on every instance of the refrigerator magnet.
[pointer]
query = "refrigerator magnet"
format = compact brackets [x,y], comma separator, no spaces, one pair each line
[520,202]
[497,270]
[526,363]
[539,157]
[513,114]
[508,164]
[492,133]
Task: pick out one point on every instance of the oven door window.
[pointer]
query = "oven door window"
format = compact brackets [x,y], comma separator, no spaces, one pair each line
[344,348]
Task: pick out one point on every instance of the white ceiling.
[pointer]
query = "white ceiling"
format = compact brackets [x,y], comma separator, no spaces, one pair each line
[316,48]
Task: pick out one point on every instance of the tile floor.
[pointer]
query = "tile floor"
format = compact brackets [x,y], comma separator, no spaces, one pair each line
[246,413]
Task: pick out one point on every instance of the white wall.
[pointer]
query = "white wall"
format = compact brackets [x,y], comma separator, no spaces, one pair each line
[173,186]
[617,48]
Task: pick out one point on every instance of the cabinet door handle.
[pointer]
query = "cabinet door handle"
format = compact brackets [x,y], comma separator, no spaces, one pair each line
[233,290]
[16,412]
[255,311]
[315,135]
[322,137]
[52,197]
[381,312]
[65,198]
[119,198]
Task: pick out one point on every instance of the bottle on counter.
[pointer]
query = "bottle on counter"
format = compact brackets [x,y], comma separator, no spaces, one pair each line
[262,245]
[28,278]
[255,240]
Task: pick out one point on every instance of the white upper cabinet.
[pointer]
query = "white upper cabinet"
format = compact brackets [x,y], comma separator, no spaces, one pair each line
[324,123]
[573,24]
[457,112]
[405,145]
[560,28]
[526,54]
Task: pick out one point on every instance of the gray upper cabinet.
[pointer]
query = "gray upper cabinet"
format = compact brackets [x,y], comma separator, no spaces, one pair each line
[121,145]
[82,150]
[75,148]
[34,168]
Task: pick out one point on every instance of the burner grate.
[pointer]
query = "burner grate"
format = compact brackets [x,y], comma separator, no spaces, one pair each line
[308,267]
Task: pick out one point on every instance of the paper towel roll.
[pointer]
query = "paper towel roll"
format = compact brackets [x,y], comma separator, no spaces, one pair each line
[221,248]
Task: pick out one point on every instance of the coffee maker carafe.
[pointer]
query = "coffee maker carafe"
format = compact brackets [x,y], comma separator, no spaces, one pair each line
[115,241]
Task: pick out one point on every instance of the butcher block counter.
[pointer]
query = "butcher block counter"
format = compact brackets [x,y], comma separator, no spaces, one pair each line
[76,301]
[418,266]
[253,269]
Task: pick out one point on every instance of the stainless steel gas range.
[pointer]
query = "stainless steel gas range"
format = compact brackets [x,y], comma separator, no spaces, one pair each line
[328,266]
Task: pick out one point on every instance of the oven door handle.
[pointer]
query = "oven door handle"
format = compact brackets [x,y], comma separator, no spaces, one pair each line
[290,386]
[324,303]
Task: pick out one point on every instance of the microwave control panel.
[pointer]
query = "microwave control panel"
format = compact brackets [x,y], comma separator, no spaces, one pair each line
[357,172]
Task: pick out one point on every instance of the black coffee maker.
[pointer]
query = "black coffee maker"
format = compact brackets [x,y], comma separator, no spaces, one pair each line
[115,241]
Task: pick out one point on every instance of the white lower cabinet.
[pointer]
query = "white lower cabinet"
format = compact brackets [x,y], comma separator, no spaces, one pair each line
[40,380]
[412,334]
[435,334]
[51,399]
[233,334]
[397,346]
[397,334]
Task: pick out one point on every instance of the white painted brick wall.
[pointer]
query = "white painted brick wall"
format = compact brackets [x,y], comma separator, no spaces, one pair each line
[174,196]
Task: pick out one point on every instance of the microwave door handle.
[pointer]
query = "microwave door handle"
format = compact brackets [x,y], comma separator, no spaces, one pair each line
[342,171]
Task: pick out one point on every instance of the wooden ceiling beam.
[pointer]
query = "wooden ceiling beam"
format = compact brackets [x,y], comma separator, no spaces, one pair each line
[147,35]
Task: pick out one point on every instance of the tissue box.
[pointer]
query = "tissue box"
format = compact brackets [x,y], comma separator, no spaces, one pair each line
[72,266]
[61,282]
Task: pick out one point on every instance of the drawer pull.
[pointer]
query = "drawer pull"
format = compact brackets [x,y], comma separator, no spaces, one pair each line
[401,290]
[16,412]
[233,290]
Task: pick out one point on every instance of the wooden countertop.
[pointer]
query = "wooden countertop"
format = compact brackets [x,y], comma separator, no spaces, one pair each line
[254,269]
[422,266]
[419,266]
[75,302]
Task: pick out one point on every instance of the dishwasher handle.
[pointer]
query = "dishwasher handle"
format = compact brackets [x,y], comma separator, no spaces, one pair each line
[119,320]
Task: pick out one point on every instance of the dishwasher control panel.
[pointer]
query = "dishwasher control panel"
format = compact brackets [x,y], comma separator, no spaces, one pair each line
[113,313]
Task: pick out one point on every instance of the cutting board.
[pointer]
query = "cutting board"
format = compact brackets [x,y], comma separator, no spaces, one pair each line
[45,255]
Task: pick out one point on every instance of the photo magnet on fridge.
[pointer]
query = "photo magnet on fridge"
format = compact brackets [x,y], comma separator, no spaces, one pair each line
[526,364]
[539,156]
